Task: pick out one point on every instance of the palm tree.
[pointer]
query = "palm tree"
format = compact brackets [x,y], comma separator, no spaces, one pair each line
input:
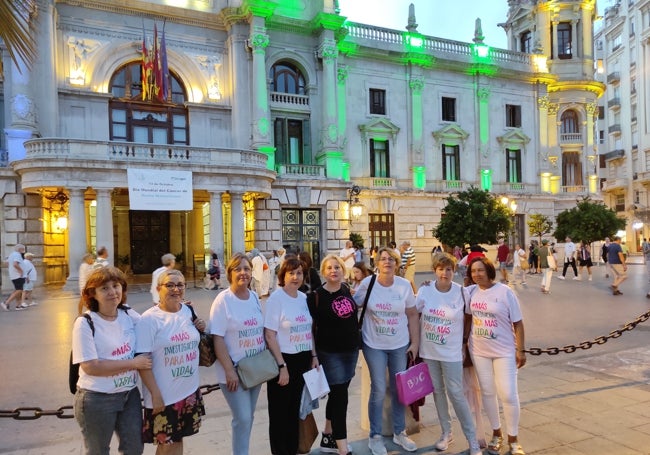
[15,17]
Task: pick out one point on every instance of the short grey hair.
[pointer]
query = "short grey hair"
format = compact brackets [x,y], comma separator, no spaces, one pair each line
[168,259]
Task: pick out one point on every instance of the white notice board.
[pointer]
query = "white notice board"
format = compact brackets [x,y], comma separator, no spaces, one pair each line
[159,190]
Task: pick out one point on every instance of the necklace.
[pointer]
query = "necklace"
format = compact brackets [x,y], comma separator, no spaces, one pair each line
[107,316]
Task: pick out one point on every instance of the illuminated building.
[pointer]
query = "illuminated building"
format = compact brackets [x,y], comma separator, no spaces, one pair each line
[277,109]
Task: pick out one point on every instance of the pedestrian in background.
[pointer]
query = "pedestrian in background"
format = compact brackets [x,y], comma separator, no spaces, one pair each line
[547,269]
[102,258]
[85,269]
[237,328]
[107,400]
[604,254]
[497,345]
[359,272]
[569,259]
[519,257]
[17,277]
[30,281]
[584,259]
[168,262]
[616,261]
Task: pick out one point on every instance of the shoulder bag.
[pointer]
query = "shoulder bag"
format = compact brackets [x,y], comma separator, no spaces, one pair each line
[207,354]
[364,307]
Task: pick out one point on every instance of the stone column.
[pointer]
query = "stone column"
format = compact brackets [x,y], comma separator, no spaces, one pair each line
[576,52]
[329,153]
[77,235]
[216,225]
[341,77]
[261,115]
[105,222]
[554,38]
[44,82]
[237,223]
[22,110]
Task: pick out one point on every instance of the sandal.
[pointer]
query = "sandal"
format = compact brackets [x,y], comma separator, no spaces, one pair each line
[494,446]
[515,449]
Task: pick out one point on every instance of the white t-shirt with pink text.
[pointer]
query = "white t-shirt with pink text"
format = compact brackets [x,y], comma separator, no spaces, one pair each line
[290,318]
[493,311]
[240,323]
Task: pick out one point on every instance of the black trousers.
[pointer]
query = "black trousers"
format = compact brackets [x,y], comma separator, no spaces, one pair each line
[336,410]
[573,266]
[284,405]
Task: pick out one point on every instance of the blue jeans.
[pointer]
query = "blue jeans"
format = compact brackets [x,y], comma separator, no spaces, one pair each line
[242,405]
[447,378]
[378,360]
[101,414]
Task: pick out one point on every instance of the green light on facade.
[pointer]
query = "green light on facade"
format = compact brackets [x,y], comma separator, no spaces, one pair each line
[419,177]
[414,41]
[270,156]
[481,51]
[486,179]
[345,171]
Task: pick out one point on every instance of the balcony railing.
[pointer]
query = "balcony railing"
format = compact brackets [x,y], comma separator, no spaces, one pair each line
[571,138]
[614,129]
[77,149]
[302,170]
[377,183]
[614,103]
[614,76]
[614,183]
[445,186]
[289,100]
[573,189]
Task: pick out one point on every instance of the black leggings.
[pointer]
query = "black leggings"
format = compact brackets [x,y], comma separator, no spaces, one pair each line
[336,410]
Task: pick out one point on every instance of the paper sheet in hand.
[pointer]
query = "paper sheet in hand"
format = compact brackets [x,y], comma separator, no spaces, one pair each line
[316,383]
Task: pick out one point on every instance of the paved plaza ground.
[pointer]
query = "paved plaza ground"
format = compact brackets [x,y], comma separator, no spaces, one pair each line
[594,401]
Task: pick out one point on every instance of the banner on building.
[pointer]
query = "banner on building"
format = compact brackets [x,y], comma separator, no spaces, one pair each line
[159,190]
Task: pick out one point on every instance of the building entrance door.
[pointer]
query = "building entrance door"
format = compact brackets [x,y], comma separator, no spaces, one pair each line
[149,239]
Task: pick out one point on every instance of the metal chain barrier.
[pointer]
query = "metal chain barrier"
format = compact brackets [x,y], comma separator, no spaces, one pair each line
[30,413]
[571,348]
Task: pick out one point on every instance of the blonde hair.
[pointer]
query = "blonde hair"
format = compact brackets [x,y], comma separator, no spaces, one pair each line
[330,257]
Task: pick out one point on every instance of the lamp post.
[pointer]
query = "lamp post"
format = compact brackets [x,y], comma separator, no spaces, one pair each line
[354,206]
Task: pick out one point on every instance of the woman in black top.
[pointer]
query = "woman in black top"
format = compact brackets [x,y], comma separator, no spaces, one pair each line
[336,330]
[312,279]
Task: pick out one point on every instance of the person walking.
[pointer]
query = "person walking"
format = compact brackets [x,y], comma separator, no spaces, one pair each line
[604,254]
[236,325]
[261,273]
[569,259]
[584,259]
[336,329]
[442,308]
[617,263]
[30,281]
[17,277]
[544,252]
[390,331]
[519,257]
[168,262]
[503,254]
[497,346]
[102,258]
[408,263]
[347,254]
[107,399]
[85,269]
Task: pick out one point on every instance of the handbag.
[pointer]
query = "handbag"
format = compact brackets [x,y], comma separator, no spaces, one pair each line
[414,383]
[207,354]
[551,262]
[307,433]
[523,263]
[256,369]
[363,309]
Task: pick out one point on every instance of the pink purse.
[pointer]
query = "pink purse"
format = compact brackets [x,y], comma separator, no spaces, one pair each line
[413,384]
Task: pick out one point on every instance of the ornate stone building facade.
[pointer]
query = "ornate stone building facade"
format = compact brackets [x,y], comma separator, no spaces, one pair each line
[286,115]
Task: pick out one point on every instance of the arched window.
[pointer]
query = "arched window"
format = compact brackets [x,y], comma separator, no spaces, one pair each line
[287,78]
[135,120]
[570,122]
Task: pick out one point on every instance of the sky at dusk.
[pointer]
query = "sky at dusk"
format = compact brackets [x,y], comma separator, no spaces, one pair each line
[440,18]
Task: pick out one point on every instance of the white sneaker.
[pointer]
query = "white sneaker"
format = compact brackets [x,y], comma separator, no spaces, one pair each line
[442,444]
[589,277]
[376,445]
[577,278]
[560,277]
[23,305]
[33,303]
[4,306]
[404,441]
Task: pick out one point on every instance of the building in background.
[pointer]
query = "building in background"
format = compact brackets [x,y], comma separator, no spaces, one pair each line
[295,126]
[623,57]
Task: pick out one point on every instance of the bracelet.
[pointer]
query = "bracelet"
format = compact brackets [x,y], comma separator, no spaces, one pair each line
[313,356]
[521,350]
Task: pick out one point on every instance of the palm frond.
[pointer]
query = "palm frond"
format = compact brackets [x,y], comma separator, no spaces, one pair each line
[15,17]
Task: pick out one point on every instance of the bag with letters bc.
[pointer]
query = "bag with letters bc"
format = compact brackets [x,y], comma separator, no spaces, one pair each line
[259,368]
[413,384]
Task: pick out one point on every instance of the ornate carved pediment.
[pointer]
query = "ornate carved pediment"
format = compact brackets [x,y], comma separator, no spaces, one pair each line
[450,134]
[379,127]
[513,137]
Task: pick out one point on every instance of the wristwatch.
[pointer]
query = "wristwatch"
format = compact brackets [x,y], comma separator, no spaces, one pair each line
[282,365]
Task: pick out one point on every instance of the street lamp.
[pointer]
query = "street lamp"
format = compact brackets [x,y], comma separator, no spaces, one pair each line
[355,207]
[511,205]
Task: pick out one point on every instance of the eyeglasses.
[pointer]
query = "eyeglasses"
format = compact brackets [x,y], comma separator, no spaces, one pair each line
[387,259]
[171,286]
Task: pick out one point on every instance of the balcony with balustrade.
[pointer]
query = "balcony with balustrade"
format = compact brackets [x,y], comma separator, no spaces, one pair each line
[571,139]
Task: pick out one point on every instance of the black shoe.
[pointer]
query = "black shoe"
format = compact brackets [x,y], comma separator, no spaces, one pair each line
[328,444]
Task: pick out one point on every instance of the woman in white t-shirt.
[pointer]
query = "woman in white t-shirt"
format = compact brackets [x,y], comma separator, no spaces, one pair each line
[237,327]
[390,330]
[519,257]
[103,343]
[288,334]
[497,348]
[173,404]
[441,305]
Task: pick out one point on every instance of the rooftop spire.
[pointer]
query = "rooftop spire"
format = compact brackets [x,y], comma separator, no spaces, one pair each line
[478,31]
[412,25]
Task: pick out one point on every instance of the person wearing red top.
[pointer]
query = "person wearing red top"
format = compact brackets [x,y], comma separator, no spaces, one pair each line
[503,251]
